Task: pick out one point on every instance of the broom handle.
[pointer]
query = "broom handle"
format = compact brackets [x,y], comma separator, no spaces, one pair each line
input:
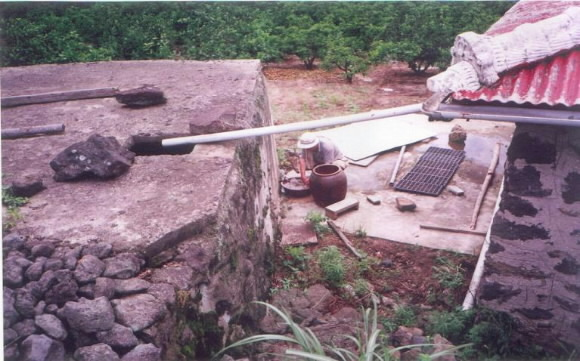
[490,171]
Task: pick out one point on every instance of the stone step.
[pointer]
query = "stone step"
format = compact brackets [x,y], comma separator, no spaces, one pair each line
[336,209]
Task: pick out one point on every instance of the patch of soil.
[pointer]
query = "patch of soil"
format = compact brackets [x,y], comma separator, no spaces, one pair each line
[418,277]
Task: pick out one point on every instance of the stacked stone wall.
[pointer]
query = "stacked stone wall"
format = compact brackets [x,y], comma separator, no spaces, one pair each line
[532,268]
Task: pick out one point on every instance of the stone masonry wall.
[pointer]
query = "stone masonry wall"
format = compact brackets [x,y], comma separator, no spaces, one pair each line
[532,269]
[232,263]
[87,302]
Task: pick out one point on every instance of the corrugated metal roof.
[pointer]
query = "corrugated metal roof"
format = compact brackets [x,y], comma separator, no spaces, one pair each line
[553,81]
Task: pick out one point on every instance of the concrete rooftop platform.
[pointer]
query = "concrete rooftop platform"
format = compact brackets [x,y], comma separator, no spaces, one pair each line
[447,210]
[161,198]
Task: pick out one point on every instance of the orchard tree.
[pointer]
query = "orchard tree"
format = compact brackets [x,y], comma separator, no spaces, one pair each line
[422,33]
[345,54]
[308,39]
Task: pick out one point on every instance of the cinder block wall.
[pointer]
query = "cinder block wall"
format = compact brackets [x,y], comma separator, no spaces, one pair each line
[532,269]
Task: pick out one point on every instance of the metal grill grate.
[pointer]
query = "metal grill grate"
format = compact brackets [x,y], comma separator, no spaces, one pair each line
[432,172]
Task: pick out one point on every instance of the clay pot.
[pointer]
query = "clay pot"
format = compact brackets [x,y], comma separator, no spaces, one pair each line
[327,184]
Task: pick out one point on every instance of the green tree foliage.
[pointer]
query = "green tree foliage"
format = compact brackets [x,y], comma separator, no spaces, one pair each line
[422,33]
[346,54]
[419,33]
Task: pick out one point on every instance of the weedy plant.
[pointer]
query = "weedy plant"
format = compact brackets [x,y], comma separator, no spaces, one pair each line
[448,273]
[297,258]
[318,222]
[370,343]
[331,263]
[12,204]
[360,232]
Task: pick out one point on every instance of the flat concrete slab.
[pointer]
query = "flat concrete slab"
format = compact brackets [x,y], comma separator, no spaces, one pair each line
[447,210]
[161,198]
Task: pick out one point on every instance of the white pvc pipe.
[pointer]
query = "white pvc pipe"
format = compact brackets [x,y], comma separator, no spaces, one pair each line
[291,127]
[515,115]
[469,300]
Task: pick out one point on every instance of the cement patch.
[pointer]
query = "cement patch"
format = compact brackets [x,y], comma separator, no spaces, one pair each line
[447,210]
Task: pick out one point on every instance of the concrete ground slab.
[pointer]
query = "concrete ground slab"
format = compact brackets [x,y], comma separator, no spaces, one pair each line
[447,210]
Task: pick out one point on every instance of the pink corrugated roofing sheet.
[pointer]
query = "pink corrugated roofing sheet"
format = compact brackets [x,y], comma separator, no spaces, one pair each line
[552,81]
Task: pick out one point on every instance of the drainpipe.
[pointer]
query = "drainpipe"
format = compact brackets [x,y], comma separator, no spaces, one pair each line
[506,114]
[469,300]
[291,127]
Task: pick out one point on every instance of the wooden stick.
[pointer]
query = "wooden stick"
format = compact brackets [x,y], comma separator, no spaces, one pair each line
[58,96]
[49,129]
[397,165]
[454,230]
[485,185]
[344,239]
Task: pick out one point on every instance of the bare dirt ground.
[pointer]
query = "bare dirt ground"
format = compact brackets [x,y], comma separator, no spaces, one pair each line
[410,275]
[297,94]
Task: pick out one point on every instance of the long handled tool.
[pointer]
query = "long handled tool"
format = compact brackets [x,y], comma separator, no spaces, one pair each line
[485,185]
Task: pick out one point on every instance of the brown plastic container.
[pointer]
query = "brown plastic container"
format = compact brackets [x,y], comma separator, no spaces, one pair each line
[328,184]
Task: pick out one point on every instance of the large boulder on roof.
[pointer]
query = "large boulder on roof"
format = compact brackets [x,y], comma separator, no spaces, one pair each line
[97,157]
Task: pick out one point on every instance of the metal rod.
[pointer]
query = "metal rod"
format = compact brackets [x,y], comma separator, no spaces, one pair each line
[291,127]
[48,129]
[485,185]
[397,165]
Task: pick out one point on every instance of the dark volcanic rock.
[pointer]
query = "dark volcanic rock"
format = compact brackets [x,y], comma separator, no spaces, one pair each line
[131,286]
[104,287]
[35,270]
[88,269]
[146,352]
[163,292]
[26,187]
[51,325]
[53,264]
[10,314]
[64,290]
[98,156]
[139,311]
[124,265]
[13,271]
[25,328]
[141,97]
[98,352]
[41,348]
[100,250]
[119,337]
[89,315]
[42,250]
[24,302]
[13,241]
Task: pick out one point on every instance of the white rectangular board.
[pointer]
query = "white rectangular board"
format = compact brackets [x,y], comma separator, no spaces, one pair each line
[364,139]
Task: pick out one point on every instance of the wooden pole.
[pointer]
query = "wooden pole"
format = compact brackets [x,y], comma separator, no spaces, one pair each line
[485,185]
[447,229]
[344,239]
[58,96]
[397,165]
[49,129]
